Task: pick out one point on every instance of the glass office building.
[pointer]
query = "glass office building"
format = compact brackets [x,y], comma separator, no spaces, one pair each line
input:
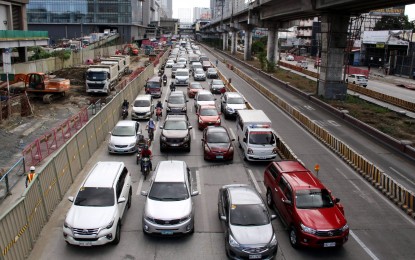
[75,18]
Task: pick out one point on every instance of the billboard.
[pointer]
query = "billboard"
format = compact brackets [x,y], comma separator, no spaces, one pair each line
[391,11]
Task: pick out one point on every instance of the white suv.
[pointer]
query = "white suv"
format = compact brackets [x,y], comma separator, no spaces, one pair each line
[182,77]
[169,205]
[357,79]
[231,102]
[97,210]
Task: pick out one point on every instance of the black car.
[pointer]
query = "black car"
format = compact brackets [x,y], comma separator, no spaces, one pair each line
[248,230]
[175,133]
[212,73]
[176,103]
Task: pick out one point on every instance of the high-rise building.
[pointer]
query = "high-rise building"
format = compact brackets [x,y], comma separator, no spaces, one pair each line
[167,5]
[185,15]
[72,18]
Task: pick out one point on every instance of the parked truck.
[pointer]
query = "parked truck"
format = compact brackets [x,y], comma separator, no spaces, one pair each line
[255,135]
[101,78]
[124,58]
[120,64]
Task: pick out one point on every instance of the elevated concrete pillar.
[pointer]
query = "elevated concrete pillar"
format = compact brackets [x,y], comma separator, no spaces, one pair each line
[271,44]
[225,41]
[334,41]
[248,43]
[234,41]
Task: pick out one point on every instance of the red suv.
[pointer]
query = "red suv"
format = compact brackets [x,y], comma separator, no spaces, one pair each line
[314,217]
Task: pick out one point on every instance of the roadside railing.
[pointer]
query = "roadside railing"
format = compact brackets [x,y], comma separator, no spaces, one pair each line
[10,178]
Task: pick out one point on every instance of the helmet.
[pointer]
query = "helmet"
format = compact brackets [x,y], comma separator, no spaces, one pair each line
[151,120]
[145,147]
[32,168]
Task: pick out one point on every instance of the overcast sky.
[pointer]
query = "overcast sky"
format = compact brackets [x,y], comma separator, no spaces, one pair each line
[409,10]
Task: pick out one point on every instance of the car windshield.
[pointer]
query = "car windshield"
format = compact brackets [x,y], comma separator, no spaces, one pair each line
[212,71]
[220,137]
[95,75]
[141,103]
[236,101]
[208,97]
[209,112]
[175,125]
[168,191]
[182,74]
[248,215]
[313,199]
[256,137]
[123,131]
[176,99]
[152,84]
[360,77]
[95,197]
[199,71]
[196,86]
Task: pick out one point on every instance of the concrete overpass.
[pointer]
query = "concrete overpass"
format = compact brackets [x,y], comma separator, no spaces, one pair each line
[277,14]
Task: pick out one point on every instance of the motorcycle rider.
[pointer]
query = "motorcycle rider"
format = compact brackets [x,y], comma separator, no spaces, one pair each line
[165,79]
[159,105]
[150,126]
[125,105]
[172,86]
[146,152]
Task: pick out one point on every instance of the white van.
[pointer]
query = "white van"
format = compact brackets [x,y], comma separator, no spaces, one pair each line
[182,77]
[143,107]
[97,210]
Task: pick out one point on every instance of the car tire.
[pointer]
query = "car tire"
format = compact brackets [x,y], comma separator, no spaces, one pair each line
[293,237]
[270,201]
[239,144]
[188,149]
[163,150]
[129,198]
[117,237]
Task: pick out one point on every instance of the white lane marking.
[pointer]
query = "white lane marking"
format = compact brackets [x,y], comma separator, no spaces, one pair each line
[193,134]
[367,250]
[254,181]
[402,176]
[198,185]
[232,134]
[334,123]
[309,107]
[351,182]
[140,185]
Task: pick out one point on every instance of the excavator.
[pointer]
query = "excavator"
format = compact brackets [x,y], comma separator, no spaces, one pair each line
[129,49]
[39,84]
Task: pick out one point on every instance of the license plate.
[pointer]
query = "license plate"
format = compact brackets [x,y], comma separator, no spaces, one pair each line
[262,158]
[167,232]
[330,244]
[85,243]
[219,157]
[255,256]
[174,144]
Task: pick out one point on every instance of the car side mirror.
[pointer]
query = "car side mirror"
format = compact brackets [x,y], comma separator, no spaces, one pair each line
[144,193]
[202,139]
[273,217]
[109,132]
[121,200]
[288,202]
[233,139]
[70,198]
[244,140]
[223,218]
[336,200]
[197,114]
[190,127]
[220,113]
[161,127]
[195,193]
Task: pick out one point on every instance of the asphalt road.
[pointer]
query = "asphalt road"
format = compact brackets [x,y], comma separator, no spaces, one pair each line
[379,230]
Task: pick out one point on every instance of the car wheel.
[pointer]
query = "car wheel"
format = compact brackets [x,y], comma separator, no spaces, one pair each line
[270,203]
[293,237]
[347,81]
[117,237]
[188,148]
[162,149]
[129,198]
[240,146]
[354,82]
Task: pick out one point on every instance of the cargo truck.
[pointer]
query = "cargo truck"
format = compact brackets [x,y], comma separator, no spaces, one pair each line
[125,59]
[118,62]
[255,135]
[101,78]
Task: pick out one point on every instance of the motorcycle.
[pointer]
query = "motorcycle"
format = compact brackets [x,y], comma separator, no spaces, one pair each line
[151,134]
[145,166]
[164,81]
[161,72]
[159,111]
[140,145]
[124,112]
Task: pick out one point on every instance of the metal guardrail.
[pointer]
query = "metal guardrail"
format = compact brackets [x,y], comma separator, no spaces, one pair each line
[10,178]
[21,225]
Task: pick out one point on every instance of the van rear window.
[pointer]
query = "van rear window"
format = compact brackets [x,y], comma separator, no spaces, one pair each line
[153,85]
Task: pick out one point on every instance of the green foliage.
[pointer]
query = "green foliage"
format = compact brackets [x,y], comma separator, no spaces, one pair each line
[262,57]
[62,55]
[394,23]
[270,66]
[259,45]
[39,53]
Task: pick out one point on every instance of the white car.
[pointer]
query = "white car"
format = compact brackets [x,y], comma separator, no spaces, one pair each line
[204,97]
[169,63]
[98,209]
[169,204]
[123,137]
[357,79]
[143,107]
[199,74]
[289,58]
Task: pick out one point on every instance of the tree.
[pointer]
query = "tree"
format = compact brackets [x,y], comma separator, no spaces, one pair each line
[394,23]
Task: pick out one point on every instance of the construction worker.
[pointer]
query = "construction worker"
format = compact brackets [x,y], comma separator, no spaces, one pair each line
[31,175]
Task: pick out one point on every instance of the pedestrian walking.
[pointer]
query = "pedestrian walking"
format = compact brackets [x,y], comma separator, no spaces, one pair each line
[30,176]
[216,62]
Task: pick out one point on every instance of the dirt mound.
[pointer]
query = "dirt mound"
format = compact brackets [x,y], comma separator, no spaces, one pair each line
[76,75]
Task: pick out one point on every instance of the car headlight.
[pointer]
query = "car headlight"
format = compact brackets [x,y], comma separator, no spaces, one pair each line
[185,218]
[308,229]
[133,144]
[148,113]
[148,218]
[218,121]
[345,227]
[168,108]
[184,108]
[273,241]
[233,242]
[186,80]
[163,138]
[66,225]
[186,138]
[109,225]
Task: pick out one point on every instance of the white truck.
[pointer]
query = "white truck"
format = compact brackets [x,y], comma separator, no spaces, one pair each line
[101,78]
[124,58]
[119,62]
[255,135]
